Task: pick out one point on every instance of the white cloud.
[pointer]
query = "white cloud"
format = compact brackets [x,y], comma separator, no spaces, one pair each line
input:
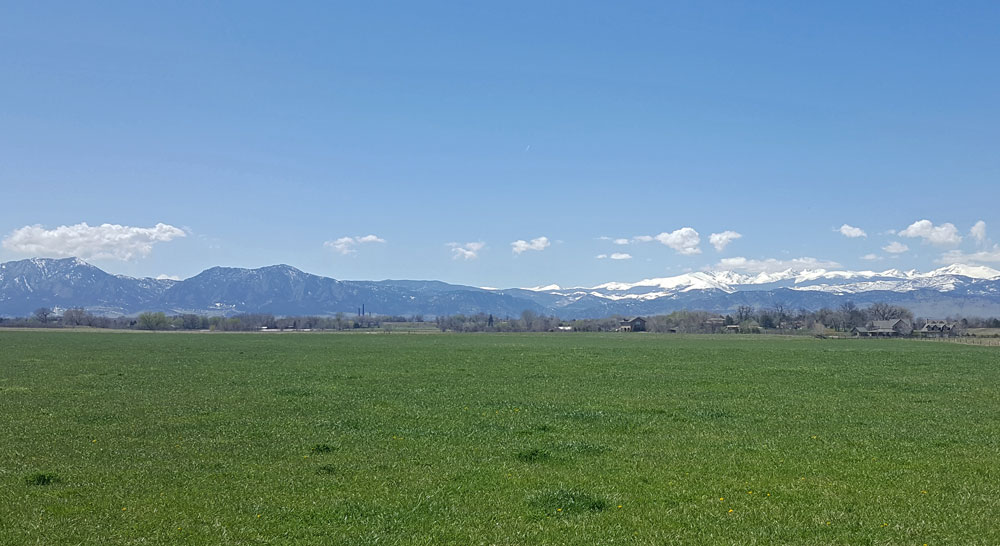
[621,241]
[344,245]
[945,234]
[895,247]
[106,241]
[348,245]
[721,240]
[852,232]
[615,256]
[772,265]
[684,240]
[990,256]
[165,277]
[871,257]
[466,251]
[538,243]
[978,232]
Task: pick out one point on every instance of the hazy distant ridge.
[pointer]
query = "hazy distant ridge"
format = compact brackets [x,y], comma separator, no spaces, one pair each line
[26,285]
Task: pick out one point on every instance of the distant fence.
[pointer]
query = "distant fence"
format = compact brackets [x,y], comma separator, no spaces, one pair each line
[983,341]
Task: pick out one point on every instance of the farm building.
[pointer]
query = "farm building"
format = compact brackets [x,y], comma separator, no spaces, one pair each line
[714,324]
[884,328]
[637,324]
[940,328]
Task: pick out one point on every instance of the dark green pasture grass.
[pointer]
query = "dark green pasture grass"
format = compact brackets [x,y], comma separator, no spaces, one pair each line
[119,438]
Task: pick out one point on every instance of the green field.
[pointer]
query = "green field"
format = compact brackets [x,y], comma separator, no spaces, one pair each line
[127,438]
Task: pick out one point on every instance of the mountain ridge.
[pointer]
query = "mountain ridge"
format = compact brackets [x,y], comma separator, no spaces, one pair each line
[282,289]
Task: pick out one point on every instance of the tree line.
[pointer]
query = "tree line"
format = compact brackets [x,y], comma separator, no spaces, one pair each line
[78,317]
[748,319]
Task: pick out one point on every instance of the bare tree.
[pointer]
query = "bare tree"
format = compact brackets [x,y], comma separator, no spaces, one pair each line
[885,311]
[42,314]
[75,317]
[852,316]
[529,317]
[781,313]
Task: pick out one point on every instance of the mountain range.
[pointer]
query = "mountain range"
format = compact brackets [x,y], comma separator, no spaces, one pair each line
[26,285]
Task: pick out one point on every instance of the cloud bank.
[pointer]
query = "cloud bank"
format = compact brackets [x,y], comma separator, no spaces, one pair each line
[772,265]
[106,241]
[991,256]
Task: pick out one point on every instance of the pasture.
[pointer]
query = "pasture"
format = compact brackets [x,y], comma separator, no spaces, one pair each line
[129,438]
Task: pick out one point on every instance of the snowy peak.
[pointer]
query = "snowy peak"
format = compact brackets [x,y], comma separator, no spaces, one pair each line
[546,288]
[840,281]
[955,288]
[683,283]
[29,284]
[972,271]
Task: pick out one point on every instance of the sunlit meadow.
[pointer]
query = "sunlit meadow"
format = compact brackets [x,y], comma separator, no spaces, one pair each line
[127,438]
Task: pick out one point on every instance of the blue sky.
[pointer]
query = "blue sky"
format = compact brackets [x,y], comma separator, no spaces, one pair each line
[436,136]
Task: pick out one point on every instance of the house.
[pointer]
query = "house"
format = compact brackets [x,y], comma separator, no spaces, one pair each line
[859,331]
[637,324]
[732,329]
[714,324]
[940,328]
[888,328]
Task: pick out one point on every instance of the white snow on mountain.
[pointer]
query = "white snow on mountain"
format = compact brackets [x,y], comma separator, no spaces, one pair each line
[546,288]
[971,271]
[683,283]
[944,279]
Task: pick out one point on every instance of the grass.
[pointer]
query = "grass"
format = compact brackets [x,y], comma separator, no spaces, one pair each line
[122,438]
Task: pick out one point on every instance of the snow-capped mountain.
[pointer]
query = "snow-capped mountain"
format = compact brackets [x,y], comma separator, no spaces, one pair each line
[943,279]
[811,288]
[26,285]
